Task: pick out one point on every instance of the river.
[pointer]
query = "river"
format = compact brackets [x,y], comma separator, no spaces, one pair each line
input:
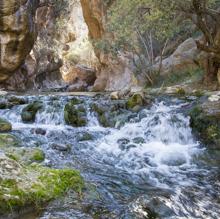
[151,166]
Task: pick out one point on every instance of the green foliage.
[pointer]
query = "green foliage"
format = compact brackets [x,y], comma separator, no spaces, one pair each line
[127,17]
[163,19]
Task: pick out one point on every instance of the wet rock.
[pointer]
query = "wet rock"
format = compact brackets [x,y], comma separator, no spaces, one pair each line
[3,104]
[124,144]
[5,126]
[10,146]
[7,140]
[13,101]
[40,131]
[135,100]
[138,140]
[123,141]
[75,113]
[61,147]
[127,147]
[205,121]
[114,95]
[110,113]
[28,114]
[23,186]
[85,136]
[158,206]
[101,113]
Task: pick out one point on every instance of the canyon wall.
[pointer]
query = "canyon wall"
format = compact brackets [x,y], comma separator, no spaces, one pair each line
[63,56]
[17,35]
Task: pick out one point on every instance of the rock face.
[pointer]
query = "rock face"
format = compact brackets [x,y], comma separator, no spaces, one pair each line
[186,56]
[114,73]
[63,54]
[63,51]
[17,34]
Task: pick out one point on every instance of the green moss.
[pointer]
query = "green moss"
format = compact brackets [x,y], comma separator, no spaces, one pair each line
[8,140]
[180,91]
[75,114]
[208,127]
[10,146]
[213,132]
[38,155]
[135,100]
[28,114]
[48,184]
[198,93]
[85,137]
[5,126]
[75,101]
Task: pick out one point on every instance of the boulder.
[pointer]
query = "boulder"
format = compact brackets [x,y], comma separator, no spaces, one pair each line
[185,57]
[5,126]
[85,136]
[23,186]
[205,121]
[29,112]
[61,147]
[136,100]
[75,113]
[114,95]
[14,100]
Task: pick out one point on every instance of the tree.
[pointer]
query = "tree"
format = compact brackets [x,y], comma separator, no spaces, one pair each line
[132,21]
[207,20]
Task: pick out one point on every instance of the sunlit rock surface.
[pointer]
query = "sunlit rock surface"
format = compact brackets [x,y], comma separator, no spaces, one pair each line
[17,34]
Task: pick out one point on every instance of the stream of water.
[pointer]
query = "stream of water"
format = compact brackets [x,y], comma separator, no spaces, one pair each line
[151,164]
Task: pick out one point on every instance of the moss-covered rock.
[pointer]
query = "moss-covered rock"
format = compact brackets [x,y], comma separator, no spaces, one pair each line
[111,114]
[22,186]
[7,140]
[5,126]
[29,112]
[206,123]
[103,113]
[11,147]
[135,100]
[180,91]
[75,113]
[3,104]
[14,100]
[85,136]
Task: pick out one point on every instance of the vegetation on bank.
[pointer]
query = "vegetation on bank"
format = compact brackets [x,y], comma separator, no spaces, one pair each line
[151,29]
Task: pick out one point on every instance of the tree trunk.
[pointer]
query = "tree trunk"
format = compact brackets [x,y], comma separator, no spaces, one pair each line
[212,69]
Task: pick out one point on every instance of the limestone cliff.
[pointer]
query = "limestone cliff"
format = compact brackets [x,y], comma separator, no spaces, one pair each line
[17,34]
[64,53]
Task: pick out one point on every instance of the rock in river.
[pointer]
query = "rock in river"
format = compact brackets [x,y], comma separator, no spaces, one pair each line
[5,126]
